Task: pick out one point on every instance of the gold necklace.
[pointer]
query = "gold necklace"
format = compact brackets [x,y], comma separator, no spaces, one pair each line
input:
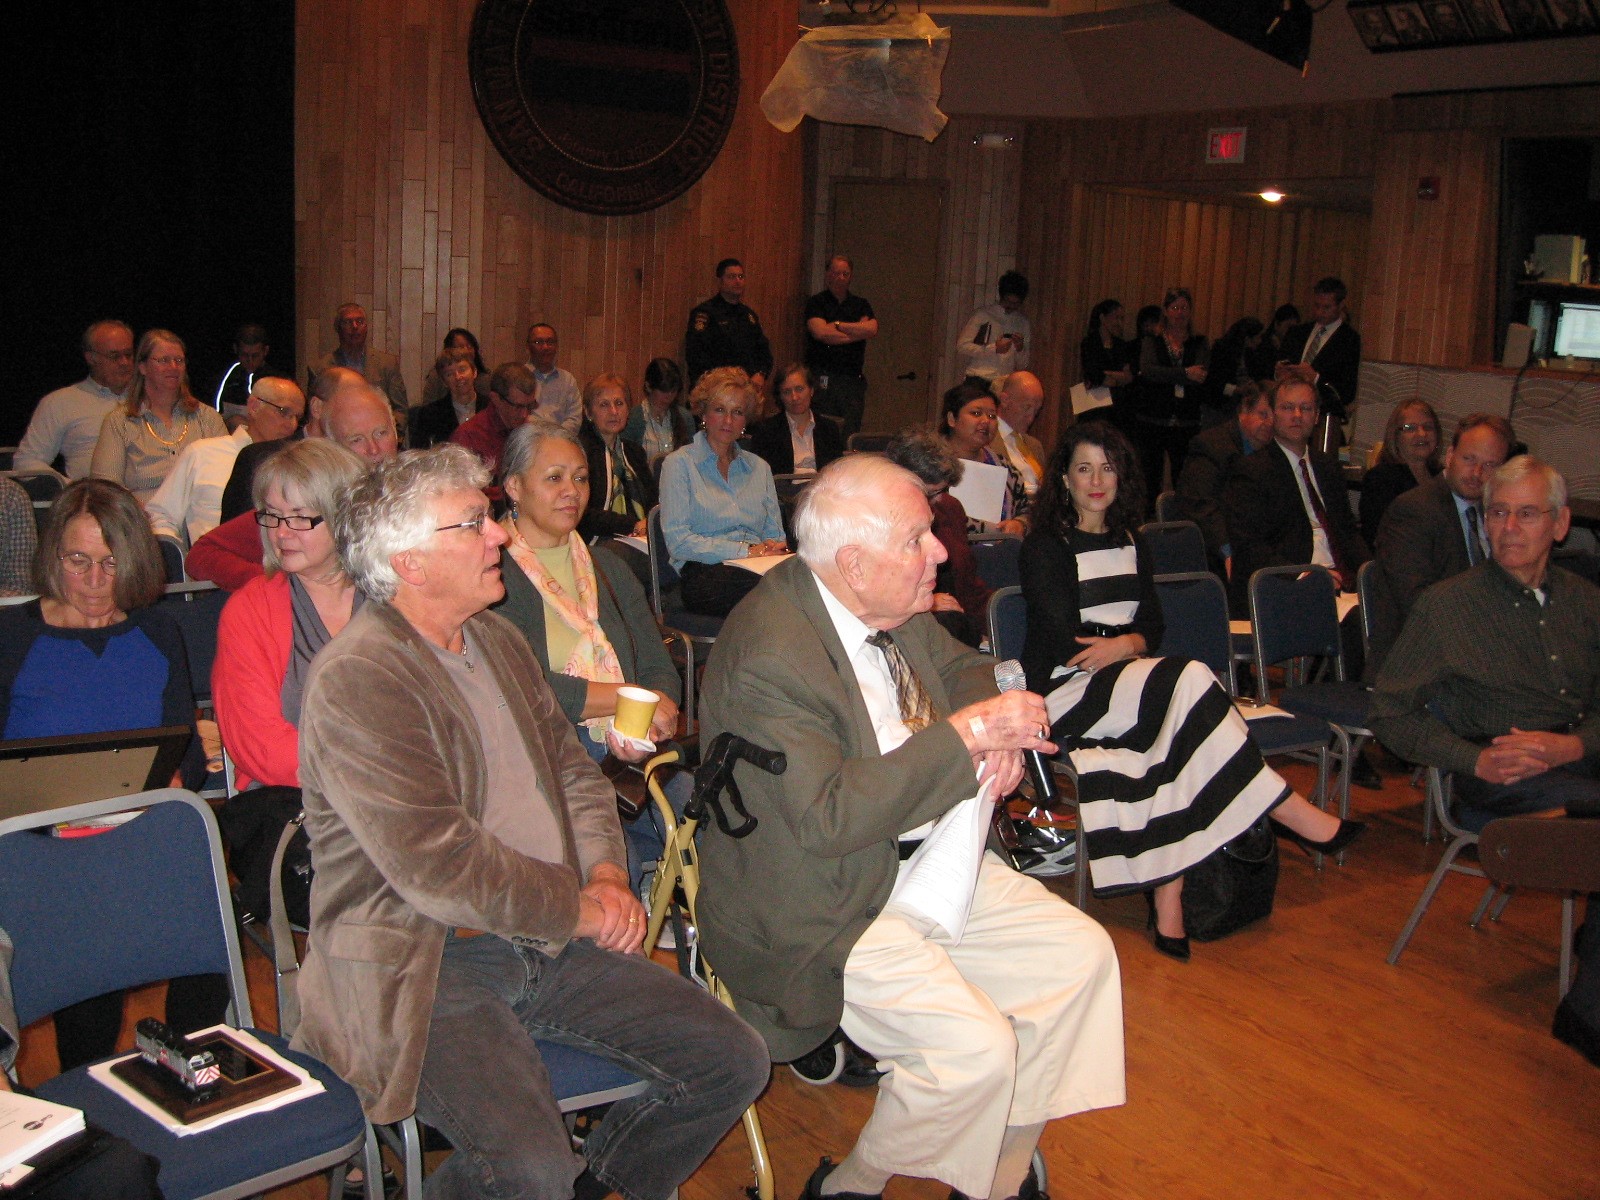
[172,446]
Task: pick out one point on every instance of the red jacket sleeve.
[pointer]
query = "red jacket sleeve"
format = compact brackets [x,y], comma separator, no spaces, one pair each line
[253,641]
[229,556]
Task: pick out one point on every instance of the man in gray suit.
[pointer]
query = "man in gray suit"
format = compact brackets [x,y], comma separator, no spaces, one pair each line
[1435,531]
[993,1017]
[471,891]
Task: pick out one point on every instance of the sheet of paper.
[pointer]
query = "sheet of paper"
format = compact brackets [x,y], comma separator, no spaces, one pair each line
[638,543]
[29,1126]
[759,565]
[101,1073]
[937,881]
[982,490]
[1087,399]
[1258,712]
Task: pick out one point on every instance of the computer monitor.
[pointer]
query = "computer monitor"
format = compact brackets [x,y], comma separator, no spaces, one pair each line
[1578,331]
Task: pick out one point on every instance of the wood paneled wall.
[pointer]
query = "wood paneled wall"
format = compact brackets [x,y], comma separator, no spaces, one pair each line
[1430,279]
[1113,209]
[403,205]
[978,238]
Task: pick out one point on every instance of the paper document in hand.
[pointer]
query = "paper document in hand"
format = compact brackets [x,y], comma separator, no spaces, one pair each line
[1087,399]
[937,881]
[638,543]
[759,565]
[982,490]
[29,1125]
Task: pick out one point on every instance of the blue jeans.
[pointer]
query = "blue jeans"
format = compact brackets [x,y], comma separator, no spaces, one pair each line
[483,1084]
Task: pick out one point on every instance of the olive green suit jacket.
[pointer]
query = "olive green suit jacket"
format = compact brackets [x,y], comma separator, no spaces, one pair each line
[780,909]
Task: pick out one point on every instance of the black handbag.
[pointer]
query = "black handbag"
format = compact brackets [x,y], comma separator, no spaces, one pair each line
[1234,886]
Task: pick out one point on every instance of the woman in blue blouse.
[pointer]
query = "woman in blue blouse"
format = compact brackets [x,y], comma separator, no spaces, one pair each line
[717,501]
[91,656]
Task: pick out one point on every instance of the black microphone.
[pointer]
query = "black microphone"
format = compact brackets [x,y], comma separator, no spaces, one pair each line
[1009,677]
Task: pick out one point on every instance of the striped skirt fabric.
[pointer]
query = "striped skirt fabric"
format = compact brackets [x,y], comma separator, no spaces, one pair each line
[1167,770]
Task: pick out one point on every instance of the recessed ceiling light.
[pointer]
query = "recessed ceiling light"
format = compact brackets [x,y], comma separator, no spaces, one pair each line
[1272,196]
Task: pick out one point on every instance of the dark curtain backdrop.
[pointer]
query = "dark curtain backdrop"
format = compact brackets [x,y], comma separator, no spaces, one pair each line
[150,176]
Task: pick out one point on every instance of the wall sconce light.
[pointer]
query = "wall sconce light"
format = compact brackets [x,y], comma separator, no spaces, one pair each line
[1272,195]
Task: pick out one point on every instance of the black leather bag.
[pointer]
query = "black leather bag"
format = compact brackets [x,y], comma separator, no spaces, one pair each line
[1234,887]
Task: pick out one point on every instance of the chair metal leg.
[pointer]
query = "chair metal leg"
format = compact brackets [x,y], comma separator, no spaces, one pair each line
[1483,906]
[1567,907]
[1080,869]
[1446,864]
[1500,904]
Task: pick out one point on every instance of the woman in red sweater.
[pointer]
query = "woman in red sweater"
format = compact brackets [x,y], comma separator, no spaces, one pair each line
[273,625]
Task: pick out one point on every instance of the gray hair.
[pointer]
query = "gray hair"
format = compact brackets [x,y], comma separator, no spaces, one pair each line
[522,447]
[87,341]
[926,455]
[844,506]
[320,472]
[387,512]
[1523,466]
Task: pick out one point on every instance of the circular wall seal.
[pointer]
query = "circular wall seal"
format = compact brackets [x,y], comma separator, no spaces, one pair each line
[605,106]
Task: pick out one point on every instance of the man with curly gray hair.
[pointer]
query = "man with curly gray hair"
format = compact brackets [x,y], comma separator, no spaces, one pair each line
[471,891]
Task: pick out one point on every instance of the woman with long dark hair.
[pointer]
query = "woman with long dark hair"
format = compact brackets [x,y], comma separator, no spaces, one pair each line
[1167,770]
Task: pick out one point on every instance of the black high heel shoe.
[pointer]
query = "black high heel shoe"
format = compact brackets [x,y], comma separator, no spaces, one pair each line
[1172,947]
[1347,832]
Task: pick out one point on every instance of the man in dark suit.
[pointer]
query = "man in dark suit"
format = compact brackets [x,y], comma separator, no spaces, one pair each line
[1211,456]
[884,718]
[775,437]
[1435,531]
[1276,516]
[1326,351]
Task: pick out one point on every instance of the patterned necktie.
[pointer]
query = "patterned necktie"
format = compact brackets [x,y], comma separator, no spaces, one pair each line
[1314,343]
[1474,546]
[621,500]
[1345,578]
[916,706]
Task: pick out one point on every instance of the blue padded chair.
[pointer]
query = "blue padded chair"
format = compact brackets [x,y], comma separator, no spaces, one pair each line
[578,1080]
[868,443]
[1194,608]
[1008,631]
[1294,617]
[145,901]
[196,608]
[1176,547]
[42,486]
[996,556]
[1167,507]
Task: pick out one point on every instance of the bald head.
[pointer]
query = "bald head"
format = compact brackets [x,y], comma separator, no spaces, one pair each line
[359,418]
[274,409]
[1020,400]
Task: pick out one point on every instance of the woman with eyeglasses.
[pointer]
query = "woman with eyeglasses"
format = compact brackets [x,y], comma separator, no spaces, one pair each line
[718,501]
[91,655]
[1411,453]
[159,418]
[273,626]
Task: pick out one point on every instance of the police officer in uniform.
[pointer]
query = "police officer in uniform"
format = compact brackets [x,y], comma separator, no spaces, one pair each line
[725,332]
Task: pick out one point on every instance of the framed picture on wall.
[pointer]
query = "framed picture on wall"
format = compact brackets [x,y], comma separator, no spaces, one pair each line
[1410,26]
[1372,26]
[1486,18]
[1444,16]
[1527,16]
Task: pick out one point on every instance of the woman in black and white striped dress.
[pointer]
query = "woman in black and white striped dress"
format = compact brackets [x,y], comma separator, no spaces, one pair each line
[1167,771]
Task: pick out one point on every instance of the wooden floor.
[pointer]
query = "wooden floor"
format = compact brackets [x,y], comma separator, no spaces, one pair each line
[1288,1060]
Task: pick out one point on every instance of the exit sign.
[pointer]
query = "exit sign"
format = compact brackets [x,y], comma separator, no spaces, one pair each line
[1225,145]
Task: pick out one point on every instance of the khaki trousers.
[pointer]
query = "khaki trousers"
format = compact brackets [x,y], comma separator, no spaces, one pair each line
[1019,1023]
